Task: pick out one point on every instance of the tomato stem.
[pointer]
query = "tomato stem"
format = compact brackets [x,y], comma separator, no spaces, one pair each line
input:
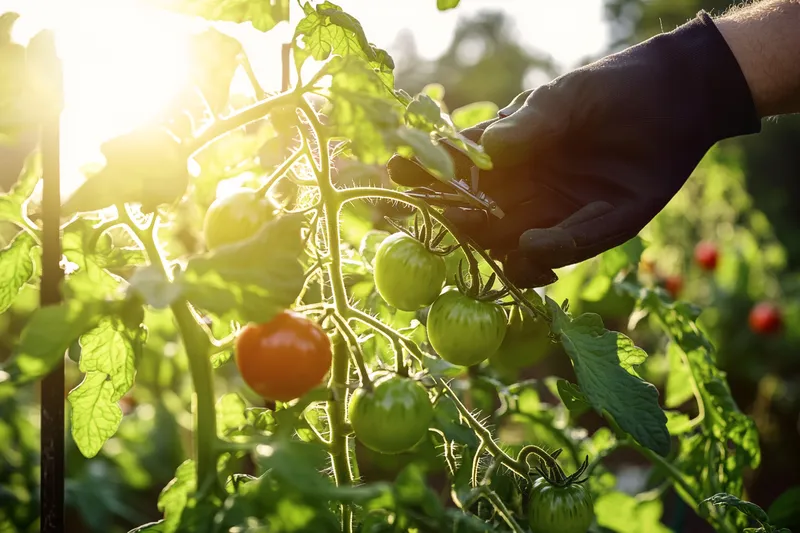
[198,347]
[339,441]
[532,449]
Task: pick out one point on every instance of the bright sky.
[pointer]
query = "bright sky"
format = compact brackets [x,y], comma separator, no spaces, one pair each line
[123,61]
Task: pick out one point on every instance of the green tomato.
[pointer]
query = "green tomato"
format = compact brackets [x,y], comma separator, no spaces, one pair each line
[465,331]
[235,217]
[526,342]
[407,275]
[552,509]
[393,417]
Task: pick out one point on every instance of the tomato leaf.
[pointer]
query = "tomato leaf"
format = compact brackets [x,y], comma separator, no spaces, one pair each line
[446,419]
[95,414]
[12,203]
[571,396]
[109,349]
[472,114]
[747,508]
[785,510]
[16,268]
[263,14]
[600,357]
[230,413]
[623,513]
[86,275]
[49,333]
[175,497]
[444,5]
[250,280]
[433,157]
[146,166]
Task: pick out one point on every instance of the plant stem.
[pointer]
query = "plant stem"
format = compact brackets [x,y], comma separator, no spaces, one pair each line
[198,348]
[339,450]
[485,435]
[242,118]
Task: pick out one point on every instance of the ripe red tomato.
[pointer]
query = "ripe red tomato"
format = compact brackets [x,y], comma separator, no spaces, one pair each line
[235,217]
[673,285]
[706,255]
[765,318]
[393,417]
[465,331]
[283,358]
[407,275]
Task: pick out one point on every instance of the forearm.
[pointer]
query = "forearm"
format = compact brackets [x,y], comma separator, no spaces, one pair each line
[765,38]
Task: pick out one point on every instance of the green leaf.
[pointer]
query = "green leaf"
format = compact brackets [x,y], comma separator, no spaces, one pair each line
[87,278]
[444,5]
[145,166]
[327,30]
[16,268]
[49,333]
[472,114]
[424,113]
[230,413]
[175,497]
[109,349]
[446,419]
[747,508]
[433,157]
[678,423]
[622,513]
[263,14]
[251,280]
[153,287]
[785,510]
[13,202]
[364,111]
[571,396]
[679,380]
[600,358]
[95,414]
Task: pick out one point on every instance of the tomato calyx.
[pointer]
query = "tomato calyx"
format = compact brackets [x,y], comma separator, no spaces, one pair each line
[554,474]
[423,234]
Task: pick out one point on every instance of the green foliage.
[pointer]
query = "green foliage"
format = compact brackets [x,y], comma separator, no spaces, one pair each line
[264,15]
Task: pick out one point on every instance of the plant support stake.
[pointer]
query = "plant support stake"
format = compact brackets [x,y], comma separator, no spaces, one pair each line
[52,391]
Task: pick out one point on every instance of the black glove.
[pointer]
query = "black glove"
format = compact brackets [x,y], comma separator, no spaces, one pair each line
[583,163]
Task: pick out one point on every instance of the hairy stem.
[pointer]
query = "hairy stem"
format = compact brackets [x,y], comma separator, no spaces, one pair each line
[339,445]
[198,348]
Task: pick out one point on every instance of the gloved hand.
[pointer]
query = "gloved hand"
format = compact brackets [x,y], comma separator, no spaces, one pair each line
[583,163]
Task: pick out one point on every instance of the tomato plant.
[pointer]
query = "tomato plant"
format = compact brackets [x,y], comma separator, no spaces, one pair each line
[295,296]
[284,358]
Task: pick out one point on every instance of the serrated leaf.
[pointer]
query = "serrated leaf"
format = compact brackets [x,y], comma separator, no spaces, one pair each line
[230,413]
[95,414]
[16,268]
[263,14]
[434,157]
[87,278]
[175,496]
[108,349]
[49,333]
[12,203]
[747,508]
[472,114]
[678,423]
[423,112]
[597,355]
[250,280]
[679,380]
[365,111]
[327,30]
[571,396]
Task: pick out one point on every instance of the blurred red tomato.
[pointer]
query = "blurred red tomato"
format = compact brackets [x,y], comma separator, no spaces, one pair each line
[765,318]
[706,255]
[673,285]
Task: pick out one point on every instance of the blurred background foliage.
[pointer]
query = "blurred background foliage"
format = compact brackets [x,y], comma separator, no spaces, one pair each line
[741,198]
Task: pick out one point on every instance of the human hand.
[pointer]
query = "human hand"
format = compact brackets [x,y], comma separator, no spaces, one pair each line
[583,163]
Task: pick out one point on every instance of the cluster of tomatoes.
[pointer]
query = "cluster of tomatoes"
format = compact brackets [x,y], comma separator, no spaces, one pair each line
[765,317]
[289,355]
